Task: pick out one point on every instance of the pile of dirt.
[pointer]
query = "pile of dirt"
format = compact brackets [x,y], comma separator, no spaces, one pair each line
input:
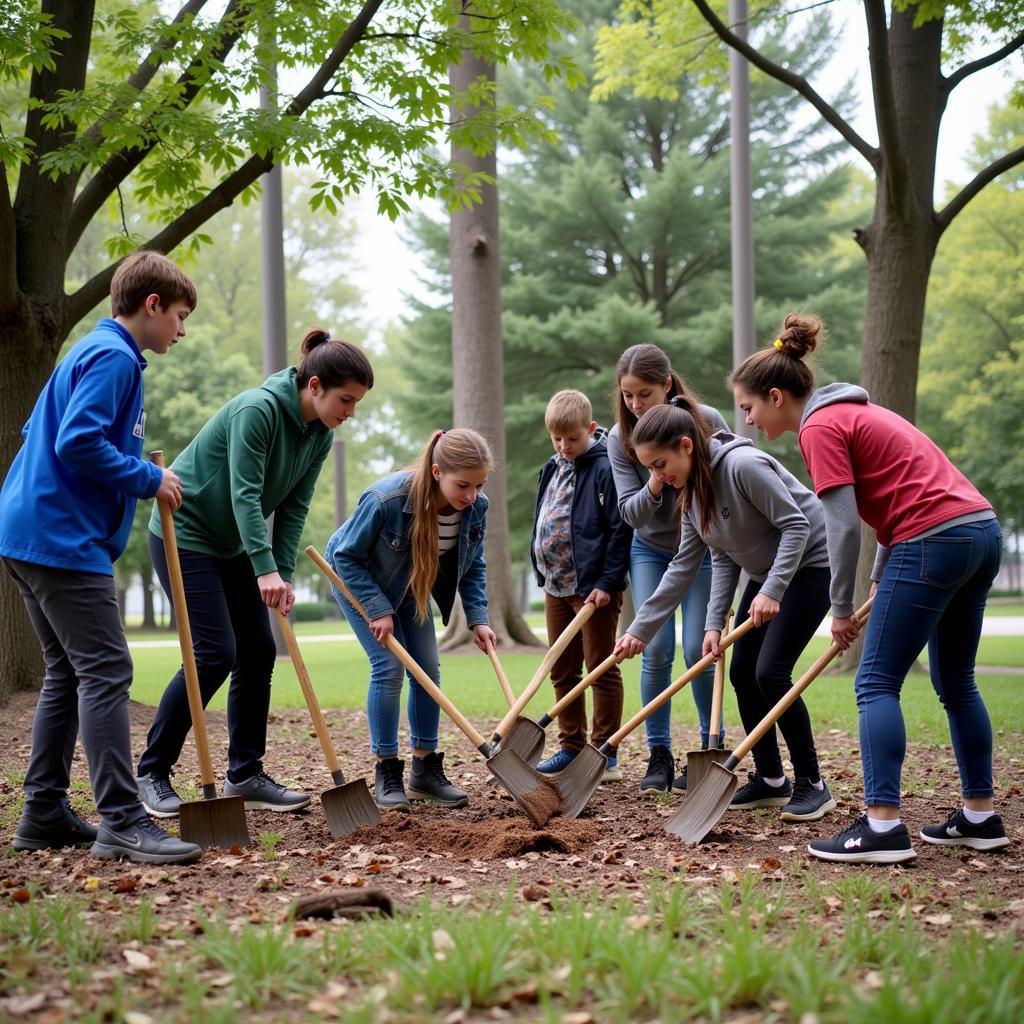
[543,802]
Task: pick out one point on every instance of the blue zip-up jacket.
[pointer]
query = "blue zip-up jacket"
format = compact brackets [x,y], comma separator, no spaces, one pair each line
[70,495]
[600,539]
[371,552]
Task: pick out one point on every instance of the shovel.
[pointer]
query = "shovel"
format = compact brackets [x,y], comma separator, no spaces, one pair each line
[699,762]
[536,796]
[214,820]
[583,775]
[348,805]
[504,733]
[524,743]
[708,802]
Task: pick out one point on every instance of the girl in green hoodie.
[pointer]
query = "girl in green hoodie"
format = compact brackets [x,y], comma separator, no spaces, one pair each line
[260,454]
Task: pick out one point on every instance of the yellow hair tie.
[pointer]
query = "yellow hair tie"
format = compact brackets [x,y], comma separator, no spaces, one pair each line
[778,344]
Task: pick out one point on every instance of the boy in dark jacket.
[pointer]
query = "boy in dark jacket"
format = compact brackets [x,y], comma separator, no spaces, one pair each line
[65,515]
[580,552]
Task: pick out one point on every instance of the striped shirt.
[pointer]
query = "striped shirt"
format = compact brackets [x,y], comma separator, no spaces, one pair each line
[448,527]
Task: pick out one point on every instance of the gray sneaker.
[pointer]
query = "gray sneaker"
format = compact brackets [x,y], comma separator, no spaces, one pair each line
[67,828]
[143,841]
[262,793]
[427,781]
[158,796]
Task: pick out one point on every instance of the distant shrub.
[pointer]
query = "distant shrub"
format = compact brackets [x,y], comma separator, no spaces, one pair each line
[314,611]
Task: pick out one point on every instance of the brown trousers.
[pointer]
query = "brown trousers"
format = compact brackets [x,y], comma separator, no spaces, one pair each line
[591,645]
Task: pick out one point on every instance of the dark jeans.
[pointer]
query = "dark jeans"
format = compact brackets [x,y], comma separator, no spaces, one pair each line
[762,670]
[88,674]
[932,592]
[230,634]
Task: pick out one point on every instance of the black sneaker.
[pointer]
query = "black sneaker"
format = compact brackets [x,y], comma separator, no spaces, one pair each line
[143,841]
[757,793]
[262,793]
[427,781]
[807,802]
[661,766]
[388,791]
[64,829]
[158,796]
[860,844]
[958,831]
[680,781]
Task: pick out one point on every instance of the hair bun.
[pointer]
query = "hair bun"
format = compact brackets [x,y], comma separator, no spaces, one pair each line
[800,335]
[315,337]
[680,402]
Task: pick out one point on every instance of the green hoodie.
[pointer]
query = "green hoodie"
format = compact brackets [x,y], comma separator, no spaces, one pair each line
[254,457]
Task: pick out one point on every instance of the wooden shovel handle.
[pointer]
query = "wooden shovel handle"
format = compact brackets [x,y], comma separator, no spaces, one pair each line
[717,695]
[793,693]
[499,671]
[673,688]
[612,659]
[406,659]
[188,654]
[308,692]
[547,663]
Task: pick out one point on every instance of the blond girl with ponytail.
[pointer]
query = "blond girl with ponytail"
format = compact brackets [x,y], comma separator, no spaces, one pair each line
[415,535]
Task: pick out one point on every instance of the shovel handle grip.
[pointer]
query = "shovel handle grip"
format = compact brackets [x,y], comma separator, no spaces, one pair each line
[406,659]
[188,654]
[717,694]
[793,693]
[308,692]
[673,688]
[499,671]
[577,690]
[547,663]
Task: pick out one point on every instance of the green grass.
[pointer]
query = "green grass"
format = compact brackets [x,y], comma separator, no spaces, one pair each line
[851,951]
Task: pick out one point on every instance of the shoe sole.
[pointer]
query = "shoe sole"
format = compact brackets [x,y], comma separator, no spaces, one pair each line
[154,813]
[974,842]
[27,845]
[652,788]
[415,794]
[679,789]
[818,812]
[405,807]
[265,805]
[773,801]
[877,857]
[101,851]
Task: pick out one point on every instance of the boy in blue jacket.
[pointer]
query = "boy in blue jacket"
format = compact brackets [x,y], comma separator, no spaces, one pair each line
[66,512]
[580,552]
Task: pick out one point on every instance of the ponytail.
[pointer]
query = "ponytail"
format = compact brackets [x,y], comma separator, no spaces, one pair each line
[664,427]
[782,365]
[335,363]
[449,450]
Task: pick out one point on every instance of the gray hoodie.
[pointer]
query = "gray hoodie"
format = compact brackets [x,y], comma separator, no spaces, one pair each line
[766,522]
[653,518]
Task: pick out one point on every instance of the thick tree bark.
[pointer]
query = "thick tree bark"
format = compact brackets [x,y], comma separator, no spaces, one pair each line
[478,367]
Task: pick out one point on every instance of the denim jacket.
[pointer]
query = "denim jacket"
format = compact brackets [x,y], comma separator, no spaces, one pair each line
[371,552]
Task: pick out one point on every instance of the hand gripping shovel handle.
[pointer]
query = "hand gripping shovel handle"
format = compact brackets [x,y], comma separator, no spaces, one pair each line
[499,671]
[673,688]
[188,654]
[547,663]
[310,695]
[717,695]
[790,696]
[548,717]
[406,659]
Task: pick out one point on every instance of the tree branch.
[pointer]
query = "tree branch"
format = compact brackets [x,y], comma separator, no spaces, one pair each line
[953,80]
[794,81]
[8,250]
[117,167]
[235,183]
[973,187]
[881,87]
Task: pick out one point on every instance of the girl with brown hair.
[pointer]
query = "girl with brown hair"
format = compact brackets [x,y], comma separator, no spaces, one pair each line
[415,535]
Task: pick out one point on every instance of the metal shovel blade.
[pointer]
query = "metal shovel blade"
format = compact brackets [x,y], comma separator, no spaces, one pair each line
[219,821]
[578,782]
[699,762]
[526,738]
[704,805]
[348,807]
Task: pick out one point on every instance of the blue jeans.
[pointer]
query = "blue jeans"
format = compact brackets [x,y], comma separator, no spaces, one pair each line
[384,699]
[932,592]
[646,567]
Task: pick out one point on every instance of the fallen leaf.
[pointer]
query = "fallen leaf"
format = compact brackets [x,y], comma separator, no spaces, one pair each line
[135,1017]
[579,1017]
[21,1006]
[771,864]
[940,919]
[91,884]
[126,885]
[140,961]
[533,893]
[21,895]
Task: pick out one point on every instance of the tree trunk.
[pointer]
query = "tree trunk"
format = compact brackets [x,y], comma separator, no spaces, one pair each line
[478,367]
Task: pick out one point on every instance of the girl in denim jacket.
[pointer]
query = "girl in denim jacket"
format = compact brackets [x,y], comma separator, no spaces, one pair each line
[415,535]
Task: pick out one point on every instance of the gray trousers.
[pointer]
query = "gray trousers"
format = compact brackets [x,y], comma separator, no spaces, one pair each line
[88,674]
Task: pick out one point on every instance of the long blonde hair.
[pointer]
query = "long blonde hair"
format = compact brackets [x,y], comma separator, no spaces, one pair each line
[450,451]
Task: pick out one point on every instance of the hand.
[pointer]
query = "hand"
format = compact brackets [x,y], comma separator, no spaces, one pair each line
[599,598]
[169,489]
[382,629]
[844,631]
[275,592]
[483,636]
[763,609]
[655,485]
[628,646]
[711,640]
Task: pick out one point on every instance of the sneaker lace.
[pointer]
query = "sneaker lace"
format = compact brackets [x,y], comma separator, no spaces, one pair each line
[435,766]
[163,787]
[150,827]
[858,825]
[264,779]
[661,758]
[804,789]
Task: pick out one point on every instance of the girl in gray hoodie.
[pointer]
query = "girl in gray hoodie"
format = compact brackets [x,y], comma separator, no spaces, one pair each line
[756,516]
